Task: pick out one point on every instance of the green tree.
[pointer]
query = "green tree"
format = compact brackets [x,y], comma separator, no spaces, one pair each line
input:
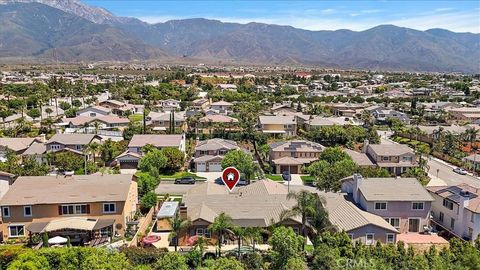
[149,200]
[221,225]
[68,161]
[65,105]
[93,148]
[242,161]
[29,260]
[34,113]
[171,261]
[286,245]
[223,264]
[175,158]
[154,162]
[333,154]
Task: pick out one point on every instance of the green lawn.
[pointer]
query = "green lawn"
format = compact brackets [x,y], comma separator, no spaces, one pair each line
[274,177]
[180,175]
[307,179]
[175,175]
[135,117]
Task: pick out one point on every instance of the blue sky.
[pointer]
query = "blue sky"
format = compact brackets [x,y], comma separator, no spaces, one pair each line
[458,16]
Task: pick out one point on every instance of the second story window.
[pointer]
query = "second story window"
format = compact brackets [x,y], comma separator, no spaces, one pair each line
[440,217]
[418,206]
[74,209]
[448,204]
[380,206]
[109,208]
[5,211]
[27,211]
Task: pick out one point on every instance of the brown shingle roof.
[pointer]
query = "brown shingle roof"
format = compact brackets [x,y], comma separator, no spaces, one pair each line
[168,140]
[31,190]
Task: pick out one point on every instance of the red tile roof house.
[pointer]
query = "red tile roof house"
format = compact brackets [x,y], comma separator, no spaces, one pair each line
[130,158]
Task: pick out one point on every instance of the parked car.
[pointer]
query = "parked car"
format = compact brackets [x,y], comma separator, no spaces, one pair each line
[185,180]
[460,171]
[286,176]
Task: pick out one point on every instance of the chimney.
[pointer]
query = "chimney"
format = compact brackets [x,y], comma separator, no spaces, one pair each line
[42,137]
[463,202]
[365,146]
[357,182]
[183,211]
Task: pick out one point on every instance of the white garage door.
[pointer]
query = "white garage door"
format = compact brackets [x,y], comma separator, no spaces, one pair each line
[201,167]
[215,167]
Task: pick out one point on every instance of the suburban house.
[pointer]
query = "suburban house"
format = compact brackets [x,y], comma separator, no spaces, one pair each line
[160,121]
[94,111]
[256,205]
[89,209]
[285,125]
[74,143]
[209,154]
[347,109]
[17,145]
[360,225]
[292,156]
[319,121]
[211,122]
[36,151]
[6,179]
[465,113]
[202,203]
[221,107]
[396,158]
[200,104]
[456,209]
[382,115]
[95,123]
[130,158]
[122,108]
[168,105]
[403,202]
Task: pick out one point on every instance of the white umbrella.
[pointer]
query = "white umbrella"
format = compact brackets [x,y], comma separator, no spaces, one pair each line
[57,240]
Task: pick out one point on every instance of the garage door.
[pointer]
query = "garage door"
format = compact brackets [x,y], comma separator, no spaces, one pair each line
[128,164]
[215,167]
[201,167]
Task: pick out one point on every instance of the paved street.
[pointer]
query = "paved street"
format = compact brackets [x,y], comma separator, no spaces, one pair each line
[447,175]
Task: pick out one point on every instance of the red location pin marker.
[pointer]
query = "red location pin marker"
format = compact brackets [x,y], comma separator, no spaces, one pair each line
[230,177]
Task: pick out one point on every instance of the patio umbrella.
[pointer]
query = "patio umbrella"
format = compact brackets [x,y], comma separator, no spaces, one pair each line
[192,240]
[151,239]
[57,240]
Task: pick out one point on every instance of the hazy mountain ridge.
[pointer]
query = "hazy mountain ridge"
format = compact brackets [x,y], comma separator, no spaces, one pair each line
[102,35]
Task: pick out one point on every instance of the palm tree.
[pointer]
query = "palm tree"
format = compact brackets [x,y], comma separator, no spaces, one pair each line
[93,148]
[221,225]
[177,225]
[240,234]
[470,137]
[305,207]
[254,234]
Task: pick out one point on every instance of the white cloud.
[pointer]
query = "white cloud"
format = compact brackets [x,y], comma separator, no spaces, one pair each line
[443,9]
[328,11]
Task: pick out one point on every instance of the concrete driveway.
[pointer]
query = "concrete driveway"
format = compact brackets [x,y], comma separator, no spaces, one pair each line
[295,180]
[211,176]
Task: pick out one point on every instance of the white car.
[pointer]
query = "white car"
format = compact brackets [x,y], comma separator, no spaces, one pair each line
[460,171]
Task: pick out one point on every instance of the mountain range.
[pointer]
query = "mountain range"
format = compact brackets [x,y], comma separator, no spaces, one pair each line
[69,30]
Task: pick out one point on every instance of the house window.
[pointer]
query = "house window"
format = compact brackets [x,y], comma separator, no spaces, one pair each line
[27,211]
[55,147]
[92,114]
[16,231]
[78,147]
[380,206]
[74,209]
[109,208]
[390,238]
[369,238]
[408,158]
[199,232]
[395,222]
[6,211]
[452,223]
[440,217]
[448,204]
[470,233]
[472,217]
[207,233]
[385,158]
[418,205]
